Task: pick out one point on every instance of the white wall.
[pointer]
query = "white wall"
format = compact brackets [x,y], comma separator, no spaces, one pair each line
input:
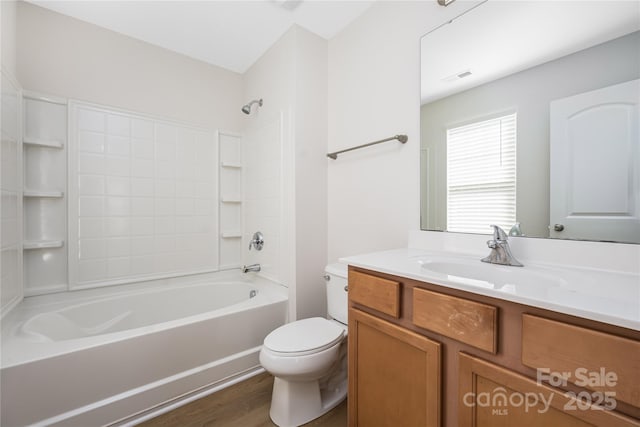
[311,173]
[291,78]
[8,37]
[374,85]
[63,56]
[374,93]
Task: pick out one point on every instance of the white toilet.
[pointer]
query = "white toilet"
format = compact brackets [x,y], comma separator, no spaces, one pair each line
[308,359]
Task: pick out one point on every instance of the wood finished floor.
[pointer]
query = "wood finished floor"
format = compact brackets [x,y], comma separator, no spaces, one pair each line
[245,404]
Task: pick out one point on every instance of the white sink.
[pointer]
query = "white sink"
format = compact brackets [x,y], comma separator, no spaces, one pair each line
[477,273]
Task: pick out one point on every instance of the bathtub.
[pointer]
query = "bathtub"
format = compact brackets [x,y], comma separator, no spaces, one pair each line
[117,355]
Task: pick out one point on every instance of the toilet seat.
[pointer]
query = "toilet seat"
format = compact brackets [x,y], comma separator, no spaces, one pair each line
[304,337]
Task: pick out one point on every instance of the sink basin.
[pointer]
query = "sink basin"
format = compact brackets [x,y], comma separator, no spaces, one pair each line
[476,273]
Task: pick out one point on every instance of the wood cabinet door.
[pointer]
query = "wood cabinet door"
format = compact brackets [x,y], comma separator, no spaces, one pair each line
[492,396]
[394,375]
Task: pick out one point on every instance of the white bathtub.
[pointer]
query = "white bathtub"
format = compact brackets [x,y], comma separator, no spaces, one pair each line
[112,356]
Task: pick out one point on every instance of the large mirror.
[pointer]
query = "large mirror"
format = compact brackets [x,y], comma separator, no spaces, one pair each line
[529,120]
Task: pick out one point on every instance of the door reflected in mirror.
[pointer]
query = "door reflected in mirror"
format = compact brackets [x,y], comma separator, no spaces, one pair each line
[530,116]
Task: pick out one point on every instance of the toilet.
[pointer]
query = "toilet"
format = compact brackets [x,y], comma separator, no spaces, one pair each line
[308,359]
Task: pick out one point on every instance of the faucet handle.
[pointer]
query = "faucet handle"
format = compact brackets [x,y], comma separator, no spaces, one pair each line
[498,233]
[257,241]
[492,244]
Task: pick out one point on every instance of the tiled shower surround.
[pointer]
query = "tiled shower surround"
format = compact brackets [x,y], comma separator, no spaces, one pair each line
[114,197]
[144,194]
[11,203]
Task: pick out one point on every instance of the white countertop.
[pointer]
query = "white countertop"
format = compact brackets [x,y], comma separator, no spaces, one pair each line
[606,296]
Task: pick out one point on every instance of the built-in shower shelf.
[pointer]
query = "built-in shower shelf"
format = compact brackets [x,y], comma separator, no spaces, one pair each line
[43,194]
[42,244]
[45,163]
[38,142]
[231,234]
[230,206]
[231,165]
[231,199]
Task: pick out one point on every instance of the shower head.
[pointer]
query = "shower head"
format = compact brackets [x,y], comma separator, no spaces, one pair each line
[247,108]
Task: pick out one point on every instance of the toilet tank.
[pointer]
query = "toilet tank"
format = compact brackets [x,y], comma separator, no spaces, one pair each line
[337,297]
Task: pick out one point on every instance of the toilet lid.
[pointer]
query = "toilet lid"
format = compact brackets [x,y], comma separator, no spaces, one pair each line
[304,335]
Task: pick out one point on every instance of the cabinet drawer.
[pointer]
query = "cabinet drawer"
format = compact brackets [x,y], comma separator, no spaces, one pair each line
[490,395]
[595,360]
[466,321]
[374,292]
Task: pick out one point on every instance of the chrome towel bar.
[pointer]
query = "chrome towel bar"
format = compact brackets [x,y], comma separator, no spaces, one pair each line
[401,138]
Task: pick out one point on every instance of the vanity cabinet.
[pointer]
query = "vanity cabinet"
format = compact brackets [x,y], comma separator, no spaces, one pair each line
[396,374]
[389,393]
[421,354]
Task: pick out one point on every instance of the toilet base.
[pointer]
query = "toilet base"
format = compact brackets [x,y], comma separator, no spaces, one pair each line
[297,403]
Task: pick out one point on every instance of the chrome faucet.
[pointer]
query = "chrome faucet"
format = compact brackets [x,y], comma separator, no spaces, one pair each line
[252,267]
[500,251]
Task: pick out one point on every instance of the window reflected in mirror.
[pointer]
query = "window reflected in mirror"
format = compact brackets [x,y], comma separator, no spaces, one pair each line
[481,175]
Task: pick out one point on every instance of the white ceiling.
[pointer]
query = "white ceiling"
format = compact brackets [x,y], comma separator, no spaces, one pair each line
[229,34]
[499,38]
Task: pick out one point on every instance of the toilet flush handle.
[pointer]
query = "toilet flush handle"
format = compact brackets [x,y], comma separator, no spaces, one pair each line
[327,278]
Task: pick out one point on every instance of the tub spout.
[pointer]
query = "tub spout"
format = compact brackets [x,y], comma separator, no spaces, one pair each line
[252,267]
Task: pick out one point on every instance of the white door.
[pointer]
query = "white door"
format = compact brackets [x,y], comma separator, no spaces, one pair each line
[595,165]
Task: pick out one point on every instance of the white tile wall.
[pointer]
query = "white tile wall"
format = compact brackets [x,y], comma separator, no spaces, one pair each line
[10,197]
[146,193]
[264,195]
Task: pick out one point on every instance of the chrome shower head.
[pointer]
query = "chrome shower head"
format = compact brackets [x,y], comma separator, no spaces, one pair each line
[247,108]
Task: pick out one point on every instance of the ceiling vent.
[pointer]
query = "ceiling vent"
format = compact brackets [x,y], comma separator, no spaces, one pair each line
[457,76]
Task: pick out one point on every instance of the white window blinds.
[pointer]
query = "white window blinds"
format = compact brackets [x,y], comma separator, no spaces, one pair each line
[481,175]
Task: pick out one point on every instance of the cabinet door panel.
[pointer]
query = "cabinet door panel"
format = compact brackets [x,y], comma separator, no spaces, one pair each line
[492,396]
[394,375]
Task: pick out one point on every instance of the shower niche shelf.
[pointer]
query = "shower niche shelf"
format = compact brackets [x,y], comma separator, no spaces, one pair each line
[44,143]
[44,197]
[231,199]
[231,195]
[43,194]
[231,234]
[231,165]
[43,244]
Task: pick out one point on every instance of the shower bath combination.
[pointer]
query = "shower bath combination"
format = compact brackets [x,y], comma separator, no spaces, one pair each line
[247,107]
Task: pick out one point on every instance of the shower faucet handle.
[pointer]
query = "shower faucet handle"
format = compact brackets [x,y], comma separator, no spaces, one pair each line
[257,241]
